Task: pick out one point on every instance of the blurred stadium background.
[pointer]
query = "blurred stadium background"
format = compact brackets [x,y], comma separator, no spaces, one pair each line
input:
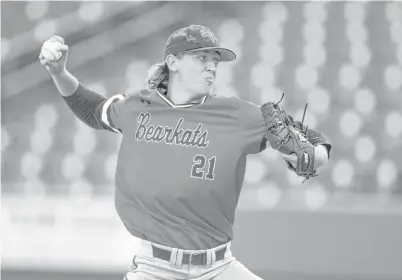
[343,58]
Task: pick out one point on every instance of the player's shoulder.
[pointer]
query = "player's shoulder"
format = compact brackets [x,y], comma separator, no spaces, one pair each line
[137,95]
[132,100]
[236,102]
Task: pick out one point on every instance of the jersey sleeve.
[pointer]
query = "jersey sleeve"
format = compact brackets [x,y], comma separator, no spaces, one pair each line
[112,113]
[252,127]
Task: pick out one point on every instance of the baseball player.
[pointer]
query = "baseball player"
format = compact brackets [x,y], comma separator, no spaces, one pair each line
[182,158]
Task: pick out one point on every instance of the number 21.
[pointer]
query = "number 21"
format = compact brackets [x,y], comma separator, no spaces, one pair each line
[199,164]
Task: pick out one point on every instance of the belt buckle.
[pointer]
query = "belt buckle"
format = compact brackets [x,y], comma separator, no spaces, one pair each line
[191,257]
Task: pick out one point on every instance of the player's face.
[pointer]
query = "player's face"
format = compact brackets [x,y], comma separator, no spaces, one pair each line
[197,71]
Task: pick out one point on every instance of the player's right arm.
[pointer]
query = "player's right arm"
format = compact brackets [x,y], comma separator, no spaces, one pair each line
[94,109]
[90,107]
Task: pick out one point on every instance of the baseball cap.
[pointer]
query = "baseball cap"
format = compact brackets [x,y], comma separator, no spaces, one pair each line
[196,38]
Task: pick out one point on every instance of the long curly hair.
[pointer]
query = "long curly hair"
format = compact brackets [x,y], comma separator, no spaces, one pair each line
[159,73]
[158,76]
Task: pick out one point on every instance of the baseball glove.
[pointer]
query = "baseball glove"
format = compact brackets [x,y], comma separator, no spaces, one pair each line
[312,136]
[289,137]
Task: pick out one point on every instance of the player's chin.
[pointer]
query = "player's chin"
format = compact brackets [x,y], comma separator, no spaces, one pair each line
[206,88]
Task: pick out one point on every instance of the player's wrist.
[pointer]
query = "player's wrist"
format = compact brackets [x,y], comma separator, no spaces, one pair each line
[63,73]
[66,83]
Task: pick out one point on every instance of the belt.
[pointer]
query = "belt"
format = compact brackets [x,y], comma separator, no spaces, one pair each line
[189,258]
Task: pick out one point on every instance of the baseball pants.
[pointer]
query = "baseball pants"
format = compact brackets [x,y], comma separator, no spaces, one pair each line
[153,261]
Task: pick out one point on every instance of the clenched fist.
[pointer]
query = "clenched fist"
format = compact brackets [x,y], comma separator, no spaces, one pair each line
[54,66]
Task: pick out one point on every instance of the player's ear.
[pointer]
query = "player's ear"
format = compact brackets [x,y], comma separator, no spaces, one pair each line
[172,63]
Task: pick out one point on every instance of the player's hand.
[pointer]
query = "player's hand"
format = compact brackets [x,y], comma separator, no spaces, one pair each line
[320,155]
[56,67]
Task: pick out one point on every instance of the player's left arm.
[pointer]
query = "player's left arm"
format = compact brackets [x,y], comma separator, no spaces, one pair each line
[254,134]
[322,146]
[321,156]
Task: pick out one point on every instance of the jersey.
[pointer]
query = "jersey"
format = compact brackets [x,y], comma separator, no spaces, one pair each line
[180,168]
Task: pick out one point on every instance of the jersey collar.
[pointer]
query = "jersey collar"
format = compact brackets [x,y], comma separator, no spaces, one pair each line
[171,104]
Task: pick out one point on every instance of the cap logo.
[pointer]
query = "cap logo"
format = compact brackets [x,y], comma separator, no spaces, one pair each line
[184,32]
[207,34]
[189,37]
